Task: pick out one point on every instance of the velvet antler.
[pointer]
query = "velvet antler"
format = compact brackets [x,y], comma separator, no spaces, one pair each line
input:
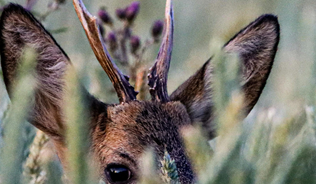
[124,90]
[157,78]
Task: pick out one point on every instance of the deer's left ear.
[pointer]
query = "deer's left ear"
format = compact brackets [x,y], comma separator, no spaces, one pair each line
[19,28]
[256,46]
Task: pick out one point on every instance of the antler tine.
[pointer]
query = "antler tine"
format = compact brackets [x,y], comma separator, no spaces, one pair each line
[120,82]
[157,78]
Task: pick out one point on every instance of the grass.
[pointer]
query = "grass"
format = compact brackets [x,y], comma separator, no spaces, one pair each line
[275,144]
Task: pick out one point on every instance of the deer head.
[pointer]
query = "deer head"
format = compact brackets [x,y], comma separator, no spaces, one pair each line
[121,132]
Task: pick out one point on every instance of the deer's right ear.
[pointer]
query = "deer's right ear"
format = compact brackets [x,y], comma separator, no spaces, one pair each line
[256,46]
[19,28]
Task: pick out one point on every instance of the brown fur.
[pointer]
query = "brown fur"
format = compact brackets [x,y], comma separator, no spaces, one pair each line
[256,45]
[19,29]
[131,127]
[121,132]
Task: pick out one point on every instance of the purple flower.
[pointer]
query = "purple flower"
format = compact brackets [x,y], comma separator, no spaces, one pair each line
[132,11]
[135,44]
[112,40]
[157,28]
[104,16]
[121,13]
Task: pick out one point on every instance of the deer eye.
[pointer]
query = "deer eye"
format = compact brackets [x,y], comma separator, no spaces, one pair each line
[117,173]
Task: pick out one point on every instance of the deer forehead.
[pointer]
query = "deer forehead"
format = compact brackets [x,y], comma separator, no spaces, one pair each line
[149,113]
[130,127]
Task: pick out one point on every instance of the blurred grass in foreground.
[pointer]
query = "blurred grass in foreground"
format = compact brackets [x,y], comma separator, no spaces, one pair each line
[275,144]
[12,153]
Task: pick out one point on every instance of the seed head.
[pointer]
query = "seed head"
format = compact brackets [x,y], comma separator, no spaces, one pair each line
[121,13]
[135,44]
[132,11]
[104,16]
[157,29]
[112,40]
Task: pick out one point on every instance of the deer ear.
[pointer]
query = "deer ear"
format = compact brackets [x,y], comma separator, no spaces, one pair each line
[256,46]
[19,28]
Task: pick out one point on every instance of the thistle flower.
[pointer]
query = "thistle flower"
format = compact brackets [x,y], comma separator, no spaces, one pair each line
[121,13]
[101,28]
[157,29]
[112,40]
[104,16]
[135,44]
[132,11]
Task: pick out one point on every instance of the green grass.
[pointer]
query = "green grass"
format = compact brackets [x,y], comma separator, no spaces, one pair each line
[275,144]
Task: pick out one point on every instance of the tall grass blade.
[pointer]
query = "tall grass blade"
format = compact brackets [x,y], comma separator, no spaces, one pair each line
[77,130]
[12,152]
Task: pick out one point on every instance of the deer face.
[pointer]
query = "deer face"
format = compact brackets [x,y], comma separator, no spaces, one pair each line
[121,132]
[121,137]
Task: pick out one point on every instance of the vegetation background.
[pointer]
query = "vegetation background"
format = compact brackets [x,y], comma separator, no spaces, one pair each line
[197,23]
[290,90]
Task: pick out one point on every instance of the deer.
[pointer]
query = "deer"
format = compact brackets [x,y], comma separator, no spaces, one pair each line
[121,132]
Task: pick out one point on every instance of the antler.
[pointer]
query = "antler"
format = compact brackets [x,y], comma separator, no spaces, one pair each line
[124,90]
[157,78]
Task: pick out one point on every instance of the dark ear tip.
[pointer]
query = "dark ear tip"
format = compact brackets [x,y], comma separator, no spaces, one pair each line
[268,18]
[11,8]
